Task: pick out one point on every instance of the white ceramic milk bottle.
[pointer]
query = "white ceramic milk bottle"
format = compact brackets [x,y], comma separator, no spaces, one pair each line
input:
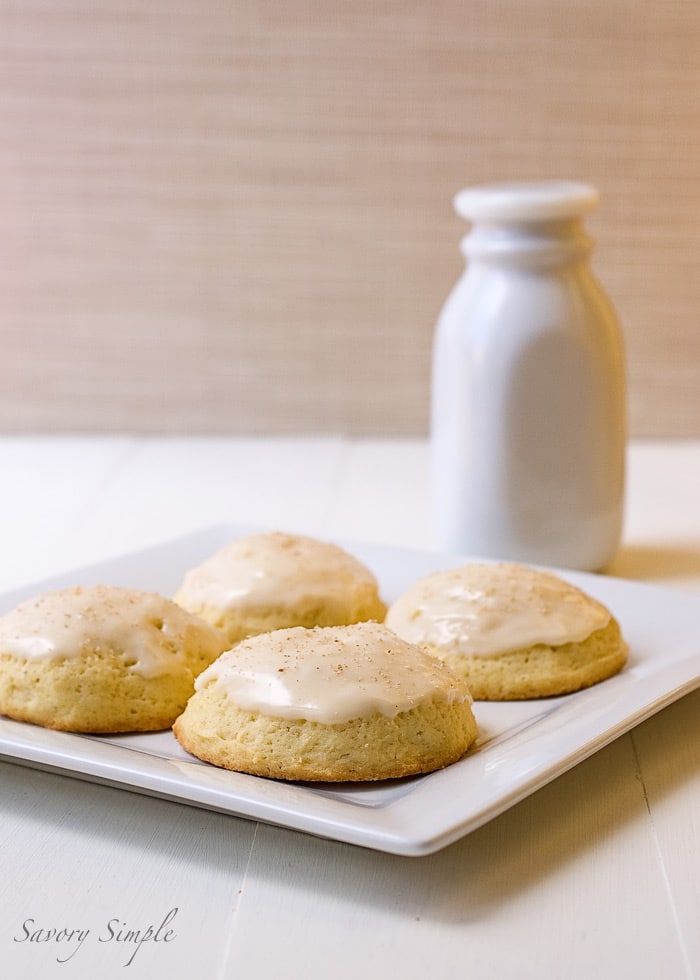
[528,390]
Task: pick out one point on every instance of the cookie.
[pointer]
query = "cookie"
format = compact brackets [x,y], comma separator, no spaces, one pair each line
[328,704]
[102,659]
[263,582]
[511,631]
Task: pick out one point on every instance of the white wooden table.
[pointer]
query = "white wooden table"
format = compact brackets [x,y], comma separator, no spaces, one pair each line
[595,875]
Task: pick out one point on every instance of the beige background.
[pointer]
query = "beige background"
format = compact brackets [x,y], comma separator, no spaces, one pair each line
[237,216]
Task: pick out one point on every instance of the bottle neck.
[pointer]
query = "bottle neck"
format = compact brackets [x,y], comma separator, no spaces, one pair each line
[528,244]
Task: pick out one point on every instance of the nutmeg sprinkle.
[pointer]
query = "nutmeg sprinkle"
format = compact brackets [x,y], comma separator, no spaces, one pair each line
[331,674]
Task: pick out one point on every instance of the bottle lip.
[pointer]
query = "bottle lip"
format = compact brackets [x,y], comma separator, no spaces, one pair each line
[542,200]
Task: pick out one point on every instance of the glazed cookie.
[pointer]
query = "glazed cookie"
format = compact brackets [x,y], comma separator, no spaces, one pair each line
[263,582]
[510,631]
[328,704]
[102,659]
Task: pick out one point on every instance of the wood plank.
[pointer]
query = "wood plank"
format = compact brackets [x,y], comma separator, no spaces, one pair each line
[668,752]
[47,487]
[81,856]
[69,501]
[170,487]
[546,889]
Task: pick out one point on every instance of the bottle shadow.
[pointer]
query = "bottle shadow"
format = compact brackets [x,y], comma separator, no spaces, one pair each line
[657,562]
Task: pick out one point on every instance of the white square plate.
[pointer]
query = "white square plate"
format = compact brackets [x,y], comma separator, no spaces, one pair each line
[522,745]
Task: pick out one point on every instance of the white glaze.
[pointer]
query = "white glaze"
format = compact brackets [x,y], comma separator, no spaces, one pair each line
[331,674]
[528,387]
[484,610]
[273,569]
[144,628]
